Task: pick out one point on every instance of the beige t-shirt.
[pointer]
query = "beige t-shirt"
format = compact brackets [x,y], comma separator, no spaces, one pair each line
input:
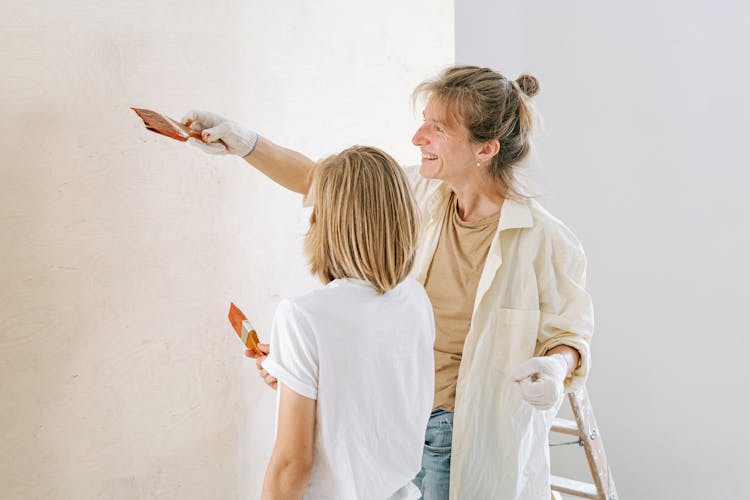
[451,284]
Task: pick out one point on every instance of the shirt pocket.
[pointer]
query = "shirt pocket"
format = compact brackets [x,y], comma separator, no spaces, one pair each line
[515,333]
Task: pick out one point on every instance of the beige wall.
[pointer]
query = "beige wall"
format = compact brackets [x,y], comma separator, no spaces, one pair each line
[119,375]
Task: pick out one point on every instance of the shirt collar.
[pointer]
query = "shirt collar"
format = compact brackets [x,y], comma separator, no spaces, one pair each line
[436,202]
[513,215]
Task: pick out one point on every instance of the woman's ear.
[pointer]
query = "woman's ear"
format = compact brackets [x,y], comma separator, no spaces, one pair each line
[488,150]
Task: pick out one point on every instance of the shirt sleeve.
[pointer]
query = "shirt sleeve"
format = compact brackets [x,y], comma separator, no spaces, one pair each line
[421,188]
[567,314]
[293,357]
[308,200]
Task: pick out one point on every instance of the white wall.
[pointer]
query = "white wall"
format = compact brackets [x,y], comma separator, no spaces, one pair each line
[120,377]
[644,155]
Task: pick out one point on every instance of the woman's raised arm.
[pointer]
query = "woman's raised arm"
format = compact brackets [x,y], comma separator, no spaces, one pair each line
[222,136]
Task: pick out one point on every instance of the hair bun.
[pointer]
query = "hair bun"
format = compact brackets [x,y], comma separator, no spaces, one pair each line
[529,84]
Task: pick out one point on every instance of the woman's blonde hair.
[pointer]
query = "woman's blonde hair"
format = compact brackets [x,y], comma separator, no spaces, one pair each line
[490,106]
[364,222]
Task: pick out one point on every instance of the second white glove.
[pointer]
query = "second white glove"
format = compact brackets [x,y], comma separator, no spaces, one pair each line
[542,380]
[220,136]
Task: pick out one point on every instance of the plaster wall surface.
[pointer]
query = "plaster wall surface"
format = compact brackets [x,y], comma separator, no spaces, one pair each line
[120,377]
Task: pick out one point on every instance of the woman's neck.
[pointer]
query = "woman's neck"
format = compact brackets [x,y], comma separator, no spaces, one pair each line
[478,196]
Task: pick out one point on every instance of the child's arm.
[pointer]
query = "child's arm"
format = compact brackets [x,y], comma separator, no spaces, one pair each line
[291,462]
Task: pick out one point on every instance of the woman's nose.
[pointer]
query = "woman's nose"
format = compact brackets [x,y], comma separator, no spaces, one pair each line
[420,138]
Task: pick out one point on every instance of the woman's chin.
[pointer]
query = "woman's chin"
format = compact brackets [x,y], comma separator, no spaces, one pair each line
[428,171]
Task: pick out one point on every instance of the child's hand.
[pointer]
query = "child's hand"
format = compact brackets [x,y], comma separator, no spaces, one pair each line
[267,378]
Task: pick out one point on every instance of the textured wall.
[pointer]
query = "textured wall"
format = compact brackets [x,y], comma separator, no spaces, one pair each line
[119,375]
[644,155]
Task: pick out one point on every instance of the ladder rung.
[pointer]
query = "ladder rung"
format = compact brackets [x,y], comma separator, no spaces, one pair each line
[573,487]
[565,426]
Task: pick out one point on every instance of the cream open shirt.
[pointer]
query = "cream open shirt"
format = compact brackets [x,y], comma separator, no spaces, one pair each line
[530,298]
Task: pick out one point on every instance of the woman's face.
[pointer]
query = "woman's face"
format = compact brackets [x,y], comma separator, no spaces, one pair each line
[447,152]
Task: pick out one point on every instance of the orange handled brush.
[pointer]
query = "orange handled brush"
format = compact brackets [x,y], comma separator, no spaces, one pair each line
[244,329]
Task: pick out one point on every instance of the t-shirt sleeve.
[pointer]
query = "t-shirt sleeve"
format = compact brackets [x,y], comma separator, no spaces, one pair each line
[293,357]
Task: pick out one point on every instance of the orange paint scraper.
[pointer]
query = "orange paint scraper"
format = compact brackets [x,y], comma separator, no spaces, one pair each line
[244,329]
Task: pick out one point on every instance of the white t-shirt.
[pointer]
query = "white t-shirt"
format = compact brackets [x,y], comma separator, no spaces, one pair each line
[367,359]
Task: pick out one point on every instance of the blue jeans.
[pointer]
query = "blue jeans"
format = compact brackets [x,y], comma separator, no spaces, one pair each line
[434,478]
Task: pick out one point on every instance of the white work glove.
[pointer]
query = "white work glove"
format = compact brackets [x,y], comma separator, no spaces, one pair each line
[541,380]
[220,136]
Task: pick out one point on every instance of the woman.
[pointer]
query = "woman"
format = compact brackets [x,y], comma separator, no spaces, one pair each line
[352,409]
[505,278]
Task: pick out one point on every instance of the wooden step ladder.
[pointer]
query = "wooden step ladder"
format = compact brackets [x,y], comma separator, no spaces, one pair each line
[585,429]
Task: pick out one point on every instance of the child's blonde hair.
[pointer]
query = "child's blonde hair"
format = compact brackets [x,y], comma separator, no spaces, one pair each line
[364,223]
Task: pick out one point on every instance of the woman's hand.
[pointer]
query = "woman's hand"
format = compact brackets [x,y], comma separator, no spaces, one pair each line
[267,378]
[541,380]
[220,136]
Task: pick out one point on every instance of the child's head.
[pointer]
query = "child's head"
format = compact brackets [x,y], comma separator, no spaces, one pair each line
[364,223]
